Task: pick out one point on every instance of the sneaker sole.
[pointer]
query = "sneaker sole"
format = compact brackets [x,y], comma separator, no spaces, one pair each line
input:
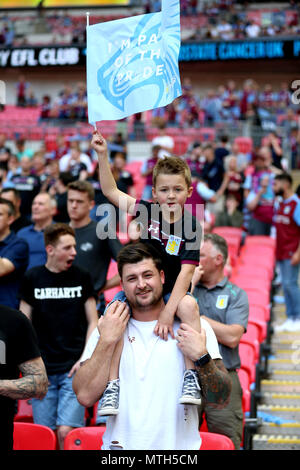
[108,412]
[190,401]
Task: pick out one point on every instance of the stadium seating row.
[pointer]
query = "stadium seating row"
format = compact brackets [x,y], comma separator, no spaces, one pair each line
[29,436]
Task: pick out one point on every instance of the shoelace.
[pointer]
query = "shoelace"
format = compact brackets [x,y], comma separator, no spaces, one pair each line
[190,383]
[110,397]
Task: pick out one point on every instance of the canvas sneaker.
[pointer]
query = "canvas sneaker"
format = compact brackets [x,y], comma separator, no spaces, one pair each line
[191,392]
[109,404]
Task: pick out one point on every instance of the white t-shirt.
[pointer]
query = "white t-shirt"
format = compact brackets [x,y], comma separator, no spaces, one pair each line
[84,158]
[151,372]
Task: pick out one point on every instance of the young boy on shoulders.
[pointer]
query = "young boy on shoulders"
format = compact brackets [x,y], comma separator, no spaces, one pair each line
[176,235]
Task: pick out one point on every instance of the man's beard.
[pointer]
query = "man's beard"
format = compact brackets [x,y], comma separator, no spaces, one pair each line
[153,298]
[279,192]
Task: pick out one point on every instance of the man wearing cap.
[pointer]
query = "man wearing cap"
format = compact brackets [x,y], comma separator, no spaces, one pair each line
[225,306]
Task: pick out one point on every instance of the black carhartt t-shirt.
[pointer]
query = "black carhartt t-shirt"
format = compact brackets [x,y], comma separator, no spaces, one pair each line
[58,313]
[18,344]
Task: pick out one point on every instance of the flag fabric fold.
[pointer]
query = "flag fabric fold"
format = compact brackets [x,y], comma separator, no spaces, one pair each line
[132,64]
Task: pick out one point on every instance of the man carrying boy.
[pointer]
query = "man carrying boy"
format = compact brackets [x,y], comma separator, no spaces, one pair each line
[151,369]
[176,236]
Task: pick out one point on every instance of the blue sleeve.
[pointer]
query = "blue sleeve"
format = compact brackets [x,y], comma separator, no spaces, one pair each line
[17,253]
[297,214]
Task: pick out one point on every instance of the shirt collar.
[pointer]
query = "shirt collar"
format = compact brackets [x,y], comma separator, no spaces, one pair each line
[7,239]
[221,283]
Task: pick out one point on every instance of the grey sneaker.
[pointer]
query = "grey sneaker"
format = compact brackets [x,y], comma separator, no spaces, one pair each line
[109,404]
[191,392]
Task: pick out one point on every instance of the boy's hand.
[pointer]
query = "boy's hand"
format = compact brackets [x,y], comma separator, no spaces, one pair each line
[164,325]
[98,143]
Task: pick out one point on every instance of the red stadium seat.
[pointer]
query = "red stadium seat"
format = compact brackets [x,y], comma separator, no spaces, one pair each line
[207,134]
[257,315]
[88,438]
[245,280]
[252,337]
[245,144]
[213,441]
[260,240]
[247,356]
[181,143]
[30,436]
[260,271]
[245,384]
[24,411]
[229,232]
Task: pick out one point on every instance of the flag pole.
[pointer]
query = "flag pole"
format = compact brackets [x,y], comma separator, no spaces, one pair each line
[88,24]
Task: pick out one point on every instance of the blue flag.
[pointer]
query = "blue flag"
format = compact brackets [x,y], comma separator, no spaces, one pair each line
[132,64]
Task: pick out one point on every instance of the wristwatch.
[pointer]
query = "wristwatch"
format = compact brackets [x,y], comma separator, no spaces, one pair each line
[203,360]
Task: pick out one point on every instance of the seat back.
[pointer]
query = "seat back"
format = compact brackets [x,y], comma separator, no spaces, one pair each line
[88,438]
[31,436]
[24,411]
[213,441]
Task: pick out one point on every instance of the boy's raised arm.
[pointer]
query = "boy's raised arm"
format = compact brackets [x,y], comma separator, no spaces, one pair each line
[107,181]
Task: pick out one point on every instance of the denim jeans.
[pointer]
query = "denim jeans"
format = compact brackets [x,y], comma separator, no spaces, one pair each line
[291,291]
[60,406]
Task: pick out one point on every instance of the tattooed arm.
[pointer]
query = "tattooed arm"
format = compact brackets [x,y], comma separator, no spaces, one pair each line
[32,384]
[215,383]
[214,378]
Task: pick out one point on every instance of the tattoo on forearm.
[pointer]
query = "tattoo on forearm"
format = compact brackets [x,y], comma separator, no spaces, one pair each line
[215,384]
[33,383]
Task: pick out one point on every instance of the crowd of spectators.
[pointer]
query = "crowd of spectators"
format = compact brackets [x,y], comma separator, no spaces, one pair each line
[228,103]
[235,188]
[221,19]
[220,169]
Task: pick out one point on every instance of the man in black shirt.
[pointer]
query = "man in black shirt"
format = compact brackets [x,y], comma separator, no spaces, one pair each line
[59,299]
[19,352]
[94,250]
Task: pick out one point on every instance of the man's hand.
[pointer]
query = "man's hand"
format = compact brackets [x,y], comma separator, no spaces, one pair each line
[198,273]
[98,143]
[191,343]
[295,259]
[164,325]
[112,325]
[74,369]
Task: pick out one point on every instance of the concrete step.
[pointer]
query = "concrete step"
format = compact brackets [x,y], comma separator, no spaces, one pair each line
[278,385]
[284,343]
[286,412]
[282,429]
[285,374]
[275,442]
[281,398]
[286,336]
[283,364]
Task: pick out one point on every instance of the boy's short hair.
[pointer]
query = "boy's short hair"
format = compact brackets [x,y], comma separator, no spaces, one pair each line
[53,232]
[219,243]
[83,187]
[172,166]
[134,253]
